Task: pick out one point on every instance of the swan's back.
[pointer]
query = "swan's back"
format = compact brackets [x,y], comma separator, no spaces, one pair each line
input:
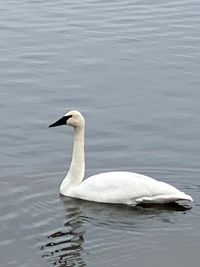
[126,188]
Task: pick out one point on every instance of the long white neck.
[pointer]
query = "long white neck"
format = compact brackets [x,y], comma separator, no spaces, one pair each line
[77,167]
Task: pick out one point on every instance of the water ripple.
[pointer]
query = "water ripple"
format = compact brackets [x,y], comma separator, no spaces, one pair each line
[134,65]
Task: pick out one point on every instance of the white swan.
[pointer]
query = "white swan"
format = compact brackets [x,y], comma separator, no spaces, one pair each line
[110,187]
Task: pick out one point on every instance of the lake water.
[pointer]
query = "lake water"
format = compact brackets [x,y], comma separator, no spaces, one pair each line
[132,69]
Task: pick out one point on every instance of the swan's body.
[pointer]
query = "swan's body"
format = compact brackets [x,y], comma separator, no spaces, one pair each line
[111,187]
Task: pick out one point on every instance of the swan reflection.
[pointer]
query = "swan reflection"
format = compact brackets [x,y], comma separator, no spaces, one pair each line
[65,246]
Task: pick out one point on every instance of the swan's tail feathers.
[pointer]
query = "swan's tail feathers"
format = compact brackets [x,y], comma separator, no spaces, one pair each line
[162,199]
[181,197]
[185,197]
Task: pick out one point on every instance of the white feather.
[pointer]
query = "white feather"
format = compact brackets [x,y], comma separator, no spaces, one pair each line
[126,188]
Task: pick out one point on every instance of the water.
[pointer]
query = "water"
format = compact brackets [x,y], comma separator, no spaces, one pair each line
[132,68]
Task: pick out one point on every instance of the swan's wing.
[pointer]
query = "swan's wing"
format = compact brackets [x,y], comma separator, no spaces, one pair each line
[126,188]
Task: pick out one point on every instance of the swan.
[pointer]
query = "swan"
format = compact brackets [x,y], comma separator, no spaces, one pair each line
[117,187]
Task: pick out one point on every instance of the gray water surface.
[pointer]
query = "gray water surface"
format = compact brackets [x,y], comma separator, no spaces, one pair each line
[132,69]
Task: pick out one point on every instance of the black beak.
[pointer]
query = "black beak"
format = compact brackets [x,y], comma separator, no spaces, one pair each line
[61,121]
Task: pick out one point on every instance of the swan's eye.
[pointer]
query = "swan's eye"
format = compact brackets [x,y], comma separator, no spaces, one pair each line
[68,117]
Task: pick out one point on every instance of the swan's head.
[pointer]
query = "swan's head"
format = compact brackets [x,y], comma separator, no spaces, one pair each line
[72,118]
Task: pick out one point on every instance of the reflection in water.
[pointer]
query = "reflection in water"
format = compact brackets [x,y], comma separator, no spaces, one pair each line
[65,247]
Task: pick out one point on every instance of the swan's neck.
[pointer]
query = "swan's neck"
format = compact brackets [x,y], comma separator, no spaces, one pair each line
[77,167]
